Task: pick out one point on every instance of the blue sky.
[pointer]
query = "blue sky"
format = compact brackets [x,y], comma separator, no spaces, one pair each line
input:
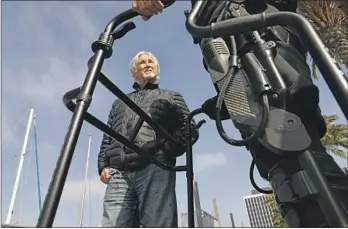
[45,48]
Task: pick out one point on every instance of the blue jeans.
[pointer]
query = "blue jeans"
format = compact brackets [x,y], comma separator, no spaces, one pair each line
[145,197]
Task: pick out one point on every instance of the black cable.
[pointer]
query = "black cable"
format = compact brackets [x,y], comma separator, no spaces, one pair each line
[264,112]
[263,102]
[251,176]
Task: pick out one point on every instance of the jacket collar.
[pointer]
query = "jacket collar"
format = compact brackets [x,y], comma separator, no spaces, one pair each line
[148,86]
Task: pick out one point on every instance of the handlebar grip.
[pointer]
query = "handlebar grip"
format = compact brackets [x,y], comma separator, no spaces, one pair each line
[70,95]
[119,33]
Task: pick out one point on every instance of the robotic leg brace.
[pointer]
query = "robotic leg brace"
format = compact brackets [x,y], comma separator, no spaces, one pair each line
[265,82]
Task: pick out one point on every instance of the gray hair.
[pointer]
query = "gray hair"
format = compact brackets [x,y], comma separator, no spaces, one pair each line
[134,62]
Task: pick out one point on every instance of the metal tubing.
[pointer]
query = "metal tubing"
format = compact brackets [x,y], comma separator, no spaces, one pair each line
[124,98]
[55,189]
[333,208]
[189,164]
[334,78]
[69,96]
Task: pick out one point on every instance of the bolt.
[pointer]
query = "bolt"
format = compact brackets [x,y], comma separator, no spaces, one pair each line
[270,44]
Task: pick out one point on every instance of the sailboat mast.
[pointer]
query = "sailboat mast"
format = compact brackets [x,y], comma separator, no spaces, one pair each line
[216,212]
[37,166]
[20,167]
[86,180]
[198,208]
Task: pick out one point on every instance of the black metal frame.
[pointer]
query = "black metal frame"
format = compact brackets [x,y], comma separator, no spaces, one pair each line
[103,49]
[335,79]
[83,95]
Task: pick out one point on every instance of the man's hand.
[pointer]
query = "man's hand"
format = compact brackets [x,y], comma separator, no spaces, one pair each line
[104,177]
[147,8]
[163,112]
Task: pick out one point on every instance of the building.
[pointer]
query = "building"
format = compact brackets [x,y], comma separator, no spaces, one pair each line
[260,215]
[208,220]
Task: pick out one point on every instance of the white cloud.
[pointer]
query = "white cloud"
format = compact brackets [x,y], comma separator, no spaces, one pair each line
[8,132]
[70,14]
[44,76]
[45,87]
[84,24]
[73,189]
[209,160]
[13,128]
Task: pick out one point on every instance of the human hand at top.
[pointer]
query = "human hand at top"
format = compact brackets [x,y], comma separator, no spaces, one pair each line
[147,8]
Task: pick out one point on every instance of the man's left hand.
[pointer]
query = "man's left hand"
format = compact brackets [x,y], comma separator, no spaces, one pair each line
[163,111]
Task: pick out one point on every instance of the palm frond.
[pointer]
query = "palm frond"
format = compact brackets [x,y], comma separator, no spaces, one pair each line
[277,217]
[336,137]
[340,153]
[331,24]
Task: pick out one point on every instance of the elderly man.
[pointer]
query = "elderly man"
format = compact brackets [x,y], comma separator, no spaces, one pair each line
[139,193]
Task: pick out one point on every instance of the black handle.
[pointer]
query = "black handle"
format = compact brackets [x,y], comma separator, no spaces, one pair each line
[119,33]
[200,123]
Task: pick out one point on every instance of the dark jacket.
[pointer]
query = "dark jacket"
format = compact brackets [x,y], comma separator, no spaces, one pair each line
[165,107]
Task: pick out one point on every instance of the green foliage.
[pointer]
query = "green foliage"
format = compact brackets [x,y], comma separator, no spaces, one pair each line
[336,138]
[277,218]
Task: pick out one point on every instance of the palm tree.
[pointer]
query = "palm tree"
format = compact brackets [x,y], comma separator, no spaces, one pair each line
[343,4]
[277,218]
[331,23]
[336,140]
